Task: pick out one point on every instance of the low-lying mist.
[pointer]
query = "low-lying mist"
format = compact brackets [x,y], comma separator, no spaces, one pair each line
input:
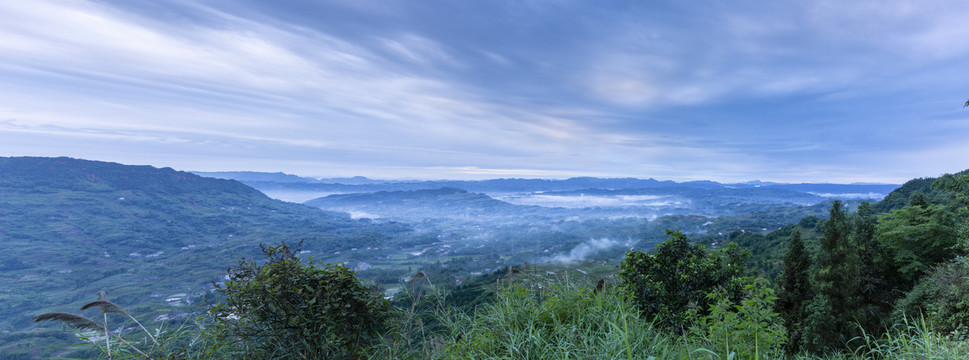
[588,249]
[586,201]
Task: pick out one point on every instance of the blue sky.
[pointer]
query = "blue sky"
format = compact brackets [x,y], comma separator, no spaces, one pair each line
[795,91]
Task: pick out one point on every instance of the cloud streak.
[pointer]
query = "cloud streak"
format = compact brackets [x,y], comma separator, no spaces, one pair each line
[819,91]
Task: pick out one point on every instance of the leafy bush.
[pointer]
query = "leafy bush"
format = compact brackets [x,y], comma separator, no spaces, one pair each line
[285,308]
[943,297]
[748,330]
[678,276]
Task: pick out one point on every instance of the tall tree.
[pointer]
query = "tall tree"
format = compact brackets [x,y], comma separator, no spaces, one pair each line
[837,278]
[875,294]
[795,289]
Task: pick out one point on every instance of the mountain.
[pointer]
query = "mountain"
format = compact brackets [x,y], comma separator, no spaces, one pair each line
[297,189]
[421,204]
[69,228]
[256,176]
[899,197]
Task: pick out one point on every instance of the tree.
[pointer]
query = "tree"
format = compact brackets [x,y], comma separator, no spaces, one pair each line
[285,308]
[795,289]
[875,294]
[918,238]
[674,281]
[836,281]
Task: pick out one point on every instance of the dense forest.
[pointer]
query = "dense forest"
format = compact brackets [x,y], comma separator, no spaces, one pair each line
[869,280]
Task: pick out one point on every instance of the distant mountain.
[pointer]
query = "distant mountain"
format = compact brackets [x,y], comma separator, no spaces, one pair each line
[282,185]
[69,228]
[444,203]
[827,190]
[245,176]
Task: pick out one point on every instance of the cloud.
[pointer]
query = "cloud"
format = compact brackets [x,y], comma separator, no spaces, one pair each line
[586,250]
[482,89]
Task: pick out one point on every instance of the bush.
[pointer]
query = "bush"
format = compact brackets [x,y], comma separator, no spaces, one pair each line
[748,330]
[285,308]
[942,297]
[678,276]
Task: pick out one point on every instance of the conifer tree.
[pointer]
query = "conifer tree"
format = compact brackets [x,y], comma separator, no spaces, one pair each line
[795,289]
[875,294]
[837,278]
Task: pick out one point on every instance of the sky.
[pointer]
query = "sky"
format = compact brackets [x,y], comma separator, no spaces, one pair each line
[790,91]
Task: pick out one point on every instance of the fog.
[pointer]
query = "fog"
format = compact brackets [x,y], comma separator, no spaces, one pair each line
[586,201]
[870,195]
[586,250]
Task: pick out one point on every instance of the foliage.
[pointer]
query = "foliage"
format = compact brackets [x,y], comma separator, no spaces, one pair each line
[957,188]
[286,308]
[911,340]
[183,342]
[677,277]
[918,238]
[819,334]
[836,282]
[874,300]
[561,320]
[942,297]
[748,330]
[795,289]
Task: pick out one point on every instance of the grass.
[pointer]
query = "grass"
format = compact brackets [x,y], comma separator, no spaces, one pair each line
[535,316]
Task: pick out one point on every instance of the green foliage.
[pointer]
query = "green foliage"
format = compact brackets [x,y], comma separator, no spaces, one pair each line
[957,188]
[901,197]
[942,297]
[912,340]
[795,289]
[285,308]
[875,296]
[748,330]
[918,238]
[836,282]
[677,277]
[560,320]
[820,335]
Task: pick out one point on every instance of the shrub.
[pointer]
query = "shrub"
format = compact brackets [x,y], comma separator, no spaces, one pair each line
[678,276]
[285,308]
[748,330]
[943,297]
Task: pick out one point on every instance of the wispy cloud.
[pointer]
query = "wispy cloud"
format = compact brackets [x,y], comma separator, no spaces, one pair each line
[782,91]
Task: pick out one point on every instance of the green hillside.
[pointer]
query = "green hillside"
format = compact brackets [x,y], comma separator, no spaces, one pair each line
[155,238]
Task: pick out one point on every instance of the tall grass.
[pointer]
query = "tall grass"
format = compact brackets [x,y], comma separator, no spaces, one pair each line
[557,319]
[912,340]
[538,318]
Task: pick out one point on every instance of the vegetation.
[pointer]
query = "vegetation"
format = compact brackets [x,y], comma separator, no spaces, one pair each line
[680,278]
[858,284]
[285,308]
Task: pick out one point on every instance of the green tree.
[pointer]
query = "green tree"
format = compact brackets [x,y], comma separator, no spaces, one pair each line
[957,187]
[795,289]
[287,308]
[673,282]
[918,238]
[875,293]
[837,280]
